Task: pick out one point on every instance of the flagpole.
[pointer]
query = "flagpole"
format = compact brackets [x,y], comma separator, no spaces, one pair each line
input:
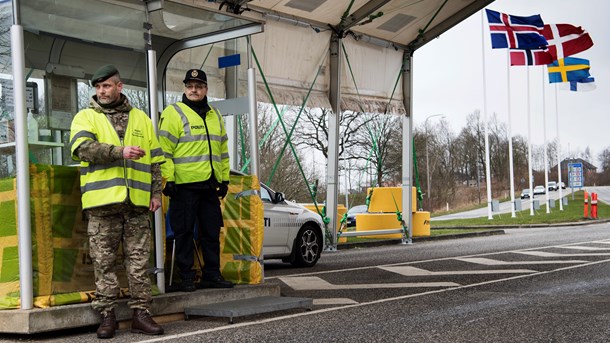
[487,168]
[558,152]
[510,142]
[529,145]
[546,157]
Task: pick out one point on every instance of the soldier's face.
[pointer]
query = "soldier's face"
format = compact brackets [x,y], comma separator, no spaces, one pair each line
[195,90]
[108,91]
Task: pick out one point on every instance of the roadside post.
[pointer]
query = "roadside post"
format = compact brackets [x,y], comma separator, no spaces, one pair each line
[594,205]
[586,209]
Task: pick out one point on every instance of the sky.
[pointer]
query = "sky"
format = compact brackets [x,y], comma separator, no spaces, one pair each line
[448,79]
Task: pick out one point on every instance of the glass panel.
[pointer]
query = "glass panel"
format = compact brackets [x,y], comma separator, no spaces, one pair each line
[207,58]
[89,20]
[180,21]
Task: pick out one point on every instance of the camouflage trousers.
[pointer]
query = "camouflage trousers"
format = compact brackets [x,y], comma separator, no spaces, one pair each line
[131,226]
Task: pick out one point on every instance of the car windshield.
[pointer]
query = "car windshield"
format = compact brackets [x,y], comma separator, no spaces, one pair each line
[357,209]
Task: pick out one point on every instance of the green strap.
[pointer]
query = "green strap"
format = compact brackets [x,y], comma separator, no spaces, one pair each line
[288,139]
[374,138]
[325,219]
[206,56]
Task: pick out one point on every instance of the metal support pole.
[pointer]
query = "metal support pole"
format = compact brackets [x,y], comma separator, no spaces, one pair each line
[253,123]
[332,167]
[407,146]
[24,230]
[231,121]
[154,116]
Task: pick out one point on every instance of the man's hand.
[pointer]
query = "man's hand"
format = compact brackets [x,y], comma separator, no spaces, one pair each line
[170,189]
[133,152]
[155,204]
[223,188]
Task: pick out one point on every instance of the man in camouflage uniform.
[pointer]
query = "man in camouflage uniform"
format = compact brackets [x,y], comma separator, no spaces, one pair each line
[120,184]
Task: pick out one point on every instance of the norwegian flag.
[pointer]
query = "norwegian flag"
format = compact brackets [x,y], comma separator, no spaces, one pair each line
[514,32]
[566,40]
[532,57]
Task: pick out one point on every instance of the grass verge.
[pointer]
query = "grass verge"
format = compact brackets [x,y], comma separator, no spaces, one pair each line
[573,212]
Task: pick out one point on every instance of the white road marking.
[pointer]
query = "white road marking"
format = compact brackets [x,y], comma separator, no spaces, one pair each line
[310,283]
[553,254]
[334,301]
[580,247]
[412,271]
[492,262]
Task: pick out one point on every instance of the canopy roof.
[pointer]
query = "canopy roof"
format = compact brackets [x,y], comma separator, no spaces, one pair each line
[405,24]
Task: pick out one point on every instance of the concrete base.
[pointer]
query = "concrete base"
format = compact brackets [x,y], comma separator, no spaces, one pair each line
[79,315]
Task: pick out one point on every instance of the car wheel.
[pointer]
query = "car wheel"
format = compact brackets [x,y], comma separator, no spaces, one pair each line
[307,247]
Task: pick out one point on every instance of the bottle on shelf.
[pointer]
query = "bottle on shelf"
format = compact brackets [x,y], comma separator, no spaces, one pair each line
[32,127]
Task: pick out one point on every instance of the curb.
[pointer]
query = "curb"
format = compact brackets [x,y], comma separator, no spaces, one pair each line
[377,243]
[526,226]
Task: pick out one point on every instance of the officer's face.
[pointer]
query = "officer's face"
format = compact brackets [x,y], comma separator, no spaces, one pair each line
[195,90]
[108,91]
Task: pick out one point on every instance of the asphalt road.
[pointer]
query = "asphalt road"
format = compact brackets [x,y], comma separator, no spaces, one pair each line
[527,285]
[505,207]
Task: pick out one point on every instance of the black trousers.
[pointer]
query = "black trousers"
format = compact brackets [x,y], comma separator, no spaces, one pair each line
[190,207]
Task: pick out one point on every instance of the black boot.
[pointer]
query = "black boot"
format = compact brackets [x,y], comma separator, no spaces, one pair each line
[108,326]
[215,282]
[142,322]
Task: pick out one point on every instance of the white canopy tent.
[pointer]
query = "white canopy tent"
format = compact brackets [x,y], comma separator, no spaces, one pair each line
[380,37]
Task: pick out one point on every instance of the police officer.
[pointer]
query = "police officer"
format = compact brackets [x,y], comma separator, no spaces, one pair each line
[194,140]
[120,159]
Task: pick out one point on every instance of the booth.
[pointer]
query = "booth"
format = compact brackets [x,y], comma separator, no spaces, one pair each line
[55,49]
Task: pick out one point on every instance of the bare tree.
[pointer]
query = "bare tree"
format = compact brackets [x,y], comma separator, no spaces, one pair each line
[380,140]
[312,130]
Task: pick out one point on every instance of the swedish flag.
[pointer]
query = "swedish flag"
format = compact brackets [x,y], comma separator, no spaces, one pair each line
[568,69]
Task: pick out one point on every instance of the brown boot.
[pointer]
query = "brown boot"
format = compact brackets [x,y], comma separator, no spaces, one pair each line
[142,322]
[108,326]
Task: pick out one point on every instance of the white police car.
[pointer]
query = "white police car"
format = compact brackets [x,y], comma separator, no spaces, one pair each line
[292,232]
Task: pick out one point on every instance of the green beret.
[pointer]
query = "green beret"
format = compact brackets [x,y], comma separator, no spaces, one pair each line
[103,74]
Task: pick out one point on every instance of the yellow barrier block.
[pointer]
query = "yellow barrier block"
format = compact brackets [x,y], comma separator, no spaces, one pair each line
[378,221]
[421,224]
[389,199]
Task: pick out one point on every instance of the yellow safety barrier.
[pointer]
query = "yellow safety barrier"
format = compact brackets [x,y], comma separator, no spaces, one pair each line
[389,199]
[421,224]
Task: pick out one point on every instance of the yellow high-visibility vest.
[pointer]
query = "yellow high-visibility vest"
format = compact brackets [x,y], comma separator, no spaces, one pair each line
[186,144]
[105,184]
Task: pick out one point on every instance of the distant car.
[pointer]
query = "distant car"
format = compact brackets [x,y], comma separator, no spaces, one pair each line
[539,190]
[552,186]
[351,214]
[525,194]
[563,185]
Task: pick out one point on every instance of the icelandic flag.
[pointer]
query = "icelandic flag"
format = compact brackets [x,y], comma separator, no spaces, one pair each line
[533,57]
[514,32]
[583,85]
[569,69]
[566,40]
